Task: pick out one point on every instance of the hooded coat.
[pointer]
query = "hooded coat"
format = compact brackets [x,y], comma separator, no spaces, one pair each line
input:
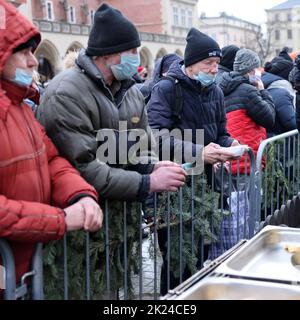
[35,182]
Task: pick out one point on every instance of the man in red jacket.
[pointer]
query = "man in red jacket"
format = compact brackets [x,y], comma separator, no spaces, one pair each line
[35,182]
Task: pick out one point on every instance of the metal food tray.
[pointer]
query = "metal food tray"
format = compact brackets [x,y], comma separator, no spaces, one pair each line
[265,257]
[213,288]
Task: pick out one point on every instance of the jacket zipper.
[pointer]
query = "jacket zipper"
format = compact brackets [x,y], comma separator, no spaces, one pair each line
[35,159]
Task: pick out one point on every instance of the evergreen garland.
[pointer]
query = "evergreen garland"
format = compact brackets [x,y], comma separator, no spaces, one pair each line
[76,242]
[207,221]
[275,175]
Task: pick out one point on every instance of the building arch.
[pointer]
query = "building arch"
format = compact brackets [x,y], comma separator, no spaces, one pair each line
[75,46]
[49,60]
[146,59]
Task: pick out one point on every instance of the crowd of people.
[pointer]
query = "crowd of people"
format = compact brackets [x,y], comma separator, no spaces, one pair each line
[51,177]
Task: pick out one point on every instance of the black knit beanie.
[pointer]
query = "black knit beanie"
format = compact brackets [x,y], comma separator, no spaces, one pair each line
[111,33]
[280,67]
[284,53]
[228,56]
[199,47]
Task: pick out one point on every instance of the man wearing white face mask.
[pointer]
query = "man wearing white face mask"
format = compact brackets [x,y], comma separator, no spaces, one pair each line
[97,94]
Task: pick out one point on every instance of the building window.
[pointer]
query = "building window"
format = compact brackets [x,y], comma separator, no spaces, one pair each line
[190,18]
[183,18]
[276,17]
[289,17]
[92,13]
[175,16]
[277,35]
[50,12]
[289,34]
[72,15]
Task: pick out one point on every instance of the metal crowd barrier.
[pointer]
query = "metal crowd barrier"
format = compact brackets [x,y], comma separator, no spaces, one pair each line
[118,263]
[277,173]
[12,290]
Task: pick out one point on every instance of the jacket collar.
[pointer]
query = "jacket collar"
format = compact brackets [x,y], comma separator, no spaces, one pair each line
[10,92]
[87,66]
[15,92]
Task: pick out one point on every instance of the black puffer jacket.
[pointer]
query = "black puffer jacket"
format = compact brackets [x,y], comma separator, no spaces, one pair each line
[221,71]
[283,96]
[249,113]
[240,94]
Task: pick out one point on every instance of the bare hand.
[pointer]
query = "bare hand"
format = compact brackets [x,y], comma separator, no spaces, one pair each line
[167,177]
[211,153]
[93,214]
[74,217]
[259,85]
[86,214]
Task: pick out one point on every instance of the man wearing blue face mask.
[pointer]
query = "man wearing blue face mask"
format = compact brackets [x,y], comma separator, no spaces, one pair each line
[96,94]
[202,107]
[202,100]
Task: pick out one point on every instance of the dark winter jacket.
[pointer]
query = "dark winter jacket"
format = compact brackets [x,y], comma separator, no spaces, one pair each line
[77,104]
[283,96]
[249,112]
[203,108]
[160,64]
[294,78]
[221,71]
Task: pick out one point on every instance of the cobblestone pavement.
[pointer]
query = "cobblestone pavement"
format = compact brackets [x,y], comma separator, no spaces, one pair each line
[148,272]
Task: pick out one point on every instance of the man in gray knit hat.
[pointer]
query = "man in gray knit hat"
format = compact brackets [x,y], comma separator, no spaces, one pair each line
[246,62]
[249,107]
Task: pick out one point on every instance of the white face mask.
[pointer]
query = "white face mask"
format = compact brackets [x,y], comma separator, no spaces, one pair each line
[258,73]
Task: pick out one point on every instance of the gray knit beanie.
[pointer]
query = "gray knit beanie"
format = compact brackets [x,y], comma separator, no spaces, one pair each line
[245,61]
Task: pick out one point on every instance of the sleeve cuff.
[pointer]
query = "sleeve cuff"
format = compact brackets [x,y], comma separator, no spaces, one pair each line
[80,196]
[144,188]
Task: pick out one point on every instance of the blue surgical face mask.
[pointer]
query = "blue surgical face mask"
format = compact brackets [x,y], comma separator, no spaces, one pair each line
[23,77]
[205,78]
[128,66]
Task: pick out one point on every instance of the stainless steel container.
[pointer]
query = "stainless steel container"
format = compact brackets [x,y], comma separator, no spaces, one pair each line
[266,256]
[213,288]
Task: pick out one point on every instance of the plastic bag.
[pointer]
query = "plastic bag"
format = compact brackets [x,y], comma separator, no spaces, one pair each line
[234,225]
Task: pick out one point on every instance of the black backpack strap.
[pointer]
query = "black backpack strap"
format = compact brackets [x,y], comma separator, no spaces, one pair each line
[178,105]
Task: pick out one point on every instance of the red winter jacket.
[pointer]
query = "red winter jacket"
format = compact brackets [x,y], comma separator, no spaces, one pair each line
[34,180]
[246,131]
[249,113]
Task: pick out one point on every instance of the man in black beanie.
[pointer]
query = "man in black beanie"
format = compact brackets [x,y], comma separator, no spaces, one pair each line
[104,73]
[99,94]
[226,63]
[201,107]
